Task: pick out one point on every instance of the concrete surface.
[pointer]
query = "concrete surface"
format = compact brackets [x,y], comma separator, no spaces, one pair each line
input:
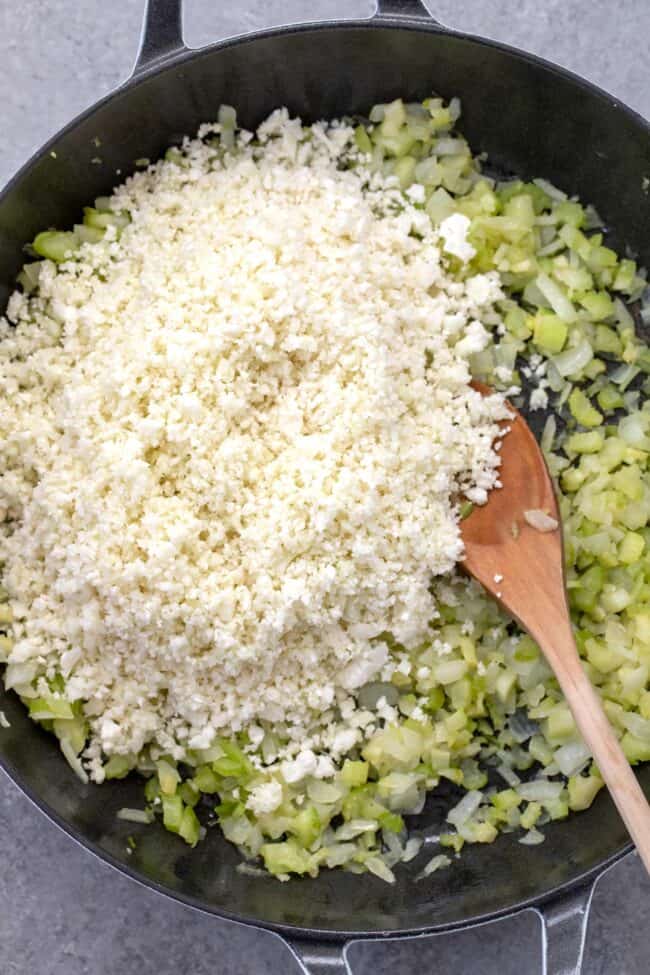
[62,912]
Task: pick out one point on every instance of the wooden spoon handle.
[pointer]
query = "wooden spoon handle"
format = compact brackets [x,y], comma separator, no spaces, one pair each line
[602,742]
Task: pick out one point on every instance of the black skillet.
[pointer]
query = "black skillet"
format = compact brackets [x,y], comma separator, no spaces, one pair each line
[532,118]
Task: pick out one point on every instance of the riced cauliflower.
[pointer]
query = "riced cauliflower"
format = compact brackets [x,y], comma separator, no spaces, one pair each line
[233,441]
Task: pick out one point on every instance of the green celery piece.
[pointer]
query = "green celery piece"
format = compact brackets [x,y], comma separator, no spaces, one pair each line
[582,409]
[583,789]
[549,331]
[636,750]
[286,857]
[609,399]
[306,826]
[570,213]
[56,245]
[168,776]
[362,139]
[206,780]
[598,304]
[354,773]
[189,827]
[172,812]
[631,548]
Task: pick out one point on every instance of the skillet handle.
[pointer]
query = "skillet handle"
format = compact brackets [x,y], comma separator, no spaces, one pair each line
[564,931]
[320,958]
[162,34]
[162,27]
[412,10]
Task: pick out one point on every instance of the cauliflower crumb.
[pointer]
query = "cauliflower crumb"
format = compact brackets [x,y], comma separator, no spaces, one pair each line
[453,231]
[540,520]
[265,798]
[538,398]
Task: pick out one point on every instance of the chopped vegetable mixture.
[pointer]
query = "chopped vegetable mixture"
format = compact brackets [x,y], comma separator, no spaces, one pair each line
[474,704]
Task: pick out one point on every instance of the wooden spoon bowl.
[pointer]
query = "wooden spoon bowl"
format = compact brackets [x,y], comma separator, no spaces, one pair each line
[513,547]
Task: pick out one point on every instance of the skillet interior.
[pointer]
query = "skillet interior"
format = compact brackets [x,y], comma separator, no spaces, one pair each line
[531,119]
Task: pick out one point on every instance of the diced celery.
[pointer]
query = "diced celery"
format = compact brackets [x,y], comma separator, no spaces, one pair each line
[549,331]
[631,548]
[189,792]
[585,443]
[570,213]
[405,171]
[151,787]
[354,773]
[581,408]
[362,139]
[306,826]
[6,643]
[540,750]
[397,145]
[560,724]
[119,766]
[435,700]
[234,762]
[394,118]
[480,832]
[47,708]
[206,780]
[604,658]
[168,777]
[189,827]
[74,730]
[598,304]
[625,275]
[452,840]
[505,684]
[286,858]
[440,205]
[556,297]
[172,812]
[583,790]
[636,750]
[506,799]
[557,808]
[88,235]
[530,815]
[517,322]
[56,245]
[520,209]
[609,399]
[629,481]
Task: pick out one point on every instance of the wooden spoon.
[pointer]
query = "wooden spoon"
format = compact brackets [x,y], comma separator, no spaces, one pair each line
[522,567]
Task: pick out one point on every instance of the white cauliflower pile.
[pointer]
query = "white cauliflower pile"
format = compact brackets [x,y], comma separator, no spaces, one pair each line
[233,443]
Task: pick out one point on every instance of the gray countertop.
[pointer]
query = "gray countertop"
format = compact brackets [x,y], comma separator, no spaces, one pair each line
[61,911]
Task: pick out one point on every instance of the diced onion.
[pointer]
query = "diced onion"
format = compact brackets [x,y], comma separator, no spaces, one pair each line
[572,758]
[532,838]
[465,808]
[135,815]
[540,790]
[436,863]
[73,760]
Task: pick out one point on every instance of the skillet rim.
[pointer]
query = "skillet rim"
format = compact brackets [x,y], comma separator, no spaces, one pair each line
[140,75]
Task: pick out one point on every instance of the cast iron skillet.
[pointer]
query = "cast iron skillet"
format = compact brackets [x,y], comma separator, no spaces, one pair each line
[532,118]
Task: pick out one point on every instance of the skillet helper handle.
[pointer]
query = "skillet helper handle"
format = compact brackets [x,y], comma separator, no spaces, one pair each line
[162,27]
[407,10]
[319,958]
[564,931]
[162,34]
